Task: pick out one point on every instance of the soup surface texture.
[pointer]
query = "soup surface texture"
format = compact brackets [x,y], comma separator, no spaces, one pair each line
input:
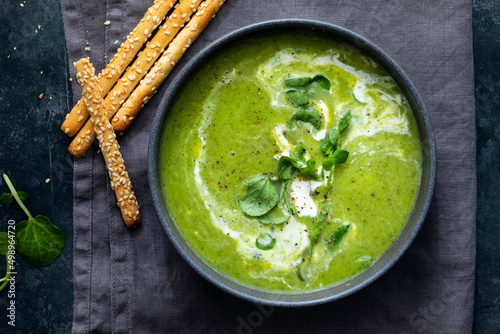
[298,223]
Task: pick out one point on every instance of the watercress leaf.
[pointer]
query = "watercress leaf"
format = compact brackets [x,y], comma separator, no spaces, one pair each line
[308,168]
[300,149]
[4,243]
[38,241]
[336,158]
[286,170]
[326,146]
[340,156]
[277,216]
[300,81]
[303,266]
[297,97]
[333,136]
[308,115]
[23,196]
[265,241]
[6,199]
[328,163]
[344,121]
[322,81]
[287,167]
[260,198]
[285,196]
[314,232]
[337,236]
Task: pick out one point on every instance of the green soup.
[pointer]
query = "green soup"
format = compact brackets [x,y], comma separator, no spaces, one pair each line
[234,120]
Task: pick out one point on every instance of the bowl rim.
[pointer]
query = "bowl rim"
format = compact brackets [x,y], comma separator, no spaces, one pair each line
[315,297]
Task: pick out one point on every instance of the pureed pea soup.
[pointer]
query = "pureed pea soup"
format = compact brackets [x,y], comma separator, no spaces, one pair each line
[290,162]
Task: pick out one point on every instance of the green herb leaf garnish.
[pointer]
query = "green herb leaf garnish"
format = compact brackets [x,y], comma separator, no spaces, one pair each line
[333,136]
[297,97]
[308,115]
[286,172]
[260,198]
[277,216]
[344,121]
[300,149]
[337,236]
[294,82]
[315,232]
[319,81]
[7,199]
[308,168]
[265,242]
[322,81]
[336,158]
[327,147]
[37,241]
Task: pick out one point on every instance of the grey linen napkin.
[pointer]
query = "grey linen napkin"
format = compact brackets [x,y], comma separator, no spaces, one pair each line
[133,281]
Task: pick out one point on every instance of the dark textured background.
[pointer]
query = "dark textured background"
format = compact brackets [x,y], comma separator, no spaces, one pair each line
[486,19]
[33,149]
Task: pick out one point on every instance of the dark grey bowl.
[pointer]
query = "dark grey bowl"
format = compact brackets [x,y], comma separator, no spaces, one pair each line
[379,267]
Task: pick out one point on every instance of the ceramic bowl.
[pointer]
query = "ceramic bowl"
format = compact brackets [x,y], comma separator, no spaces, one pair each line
[382,264]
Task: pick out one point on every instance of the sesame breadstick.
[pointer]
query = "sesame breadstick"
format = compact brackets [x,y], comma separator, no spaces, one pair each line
[146,58]
[120,181]
[148,86]
[124,55]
